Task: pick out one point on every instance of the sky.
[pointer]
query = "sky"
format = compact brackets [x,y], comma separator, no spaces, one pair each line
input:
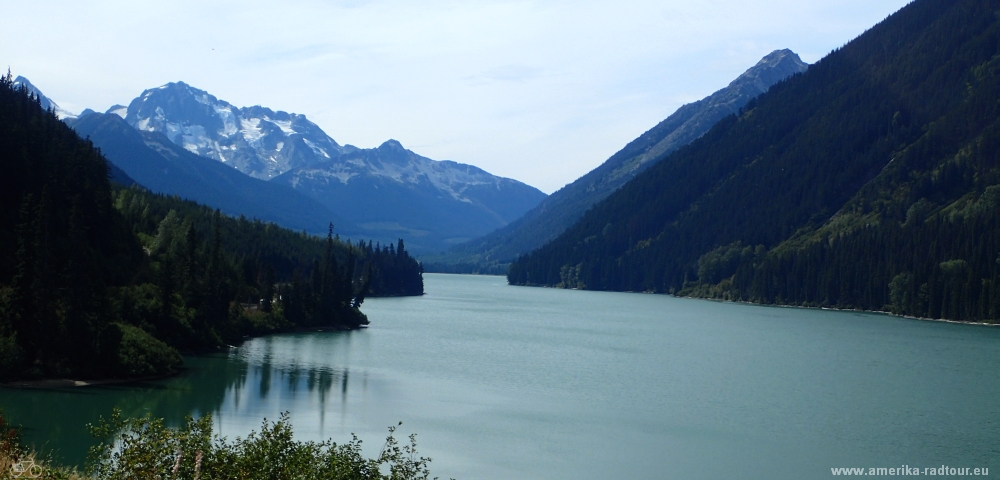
[538,91]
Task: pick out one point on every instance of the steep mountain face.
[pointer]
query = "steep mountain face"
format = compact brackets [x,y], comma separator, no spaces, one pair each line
[390,190]
[255,140]
[46,102]
[387,192]
[564,207]
[870,181]
[160,165]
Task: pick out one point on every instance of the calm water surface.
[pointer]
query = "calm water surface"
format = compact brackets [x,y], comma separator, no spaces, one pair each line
[512,382]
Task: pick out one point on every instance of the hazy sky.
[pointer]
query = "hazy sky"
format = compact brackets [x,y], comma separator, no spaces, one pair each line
[539,91]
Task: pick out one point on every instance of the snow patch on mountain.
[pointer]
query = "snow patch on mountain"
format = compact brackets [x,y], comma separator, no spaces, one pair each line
[391,161]
[315,148]
[120,110]
[284,125]
[228,119]
[251,130]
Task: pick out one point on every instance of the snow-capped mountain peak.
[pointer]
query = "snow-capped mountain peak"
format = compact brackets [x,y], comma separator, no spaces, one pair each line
[388,192]
[256,140]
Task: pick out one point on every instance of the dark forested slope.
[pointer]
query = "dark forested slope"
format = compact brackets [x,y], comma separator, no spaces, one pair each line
[867,182]
[61,244]
[564,207]
[97,281]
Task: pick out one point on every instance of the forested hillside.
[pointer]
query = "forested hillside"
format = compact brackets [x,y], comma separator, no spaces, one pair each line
[492,253]
[870,181]
[103,281]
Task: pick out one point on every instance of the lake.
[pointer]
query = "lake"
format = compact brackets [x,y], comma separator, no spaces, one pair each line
[502,382]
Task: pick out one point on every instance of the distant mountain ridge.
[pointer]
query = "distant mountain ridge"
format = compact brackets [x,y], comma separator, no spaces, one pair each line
[384,194]
[158,164]
[433,202]
[561,209]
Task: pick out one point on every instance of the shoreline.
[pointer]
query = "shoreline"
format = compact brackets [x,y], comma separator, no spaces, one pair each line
[70,383]
[835,309]
[744,302]
[318,329]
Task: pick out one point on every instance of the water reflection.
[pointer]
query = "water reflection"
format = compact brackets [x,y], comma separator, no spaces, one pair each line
[264,377]
[296,373]
[311,388]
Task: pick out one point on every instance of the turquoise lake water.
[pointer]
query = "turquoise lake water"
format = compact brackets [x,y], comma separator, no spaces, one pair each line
[503,382]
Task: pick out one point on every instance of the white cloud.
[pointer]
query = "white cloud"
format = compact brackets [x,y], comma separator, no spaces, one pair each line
[537,91]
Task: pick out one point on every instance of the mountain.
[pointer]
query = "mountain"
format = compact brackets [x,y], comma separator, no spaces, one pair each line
[46,102]
[389,192]
[871,181]
[257,141]
[564,207]
[155,162]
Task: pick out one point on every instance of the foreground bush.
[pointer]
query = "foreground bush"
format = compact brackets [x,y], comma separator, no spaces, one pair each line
[146,448]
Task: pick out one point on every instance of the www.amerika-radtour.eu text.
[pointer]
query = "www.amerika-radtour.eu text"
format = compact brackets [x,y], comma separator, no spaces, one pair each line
[907,470]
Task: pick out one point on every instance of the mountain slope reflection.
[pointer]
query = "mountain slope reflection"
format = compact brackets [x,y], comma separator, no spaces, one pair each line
[308,375]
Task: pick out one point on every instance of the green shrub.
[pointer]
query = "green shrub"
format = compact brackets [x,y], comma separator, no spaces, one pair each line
[146,448]
[141,355]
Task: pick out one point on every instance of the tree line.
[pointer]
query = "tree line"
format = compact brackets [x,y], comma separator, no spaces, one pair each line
[98,280]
